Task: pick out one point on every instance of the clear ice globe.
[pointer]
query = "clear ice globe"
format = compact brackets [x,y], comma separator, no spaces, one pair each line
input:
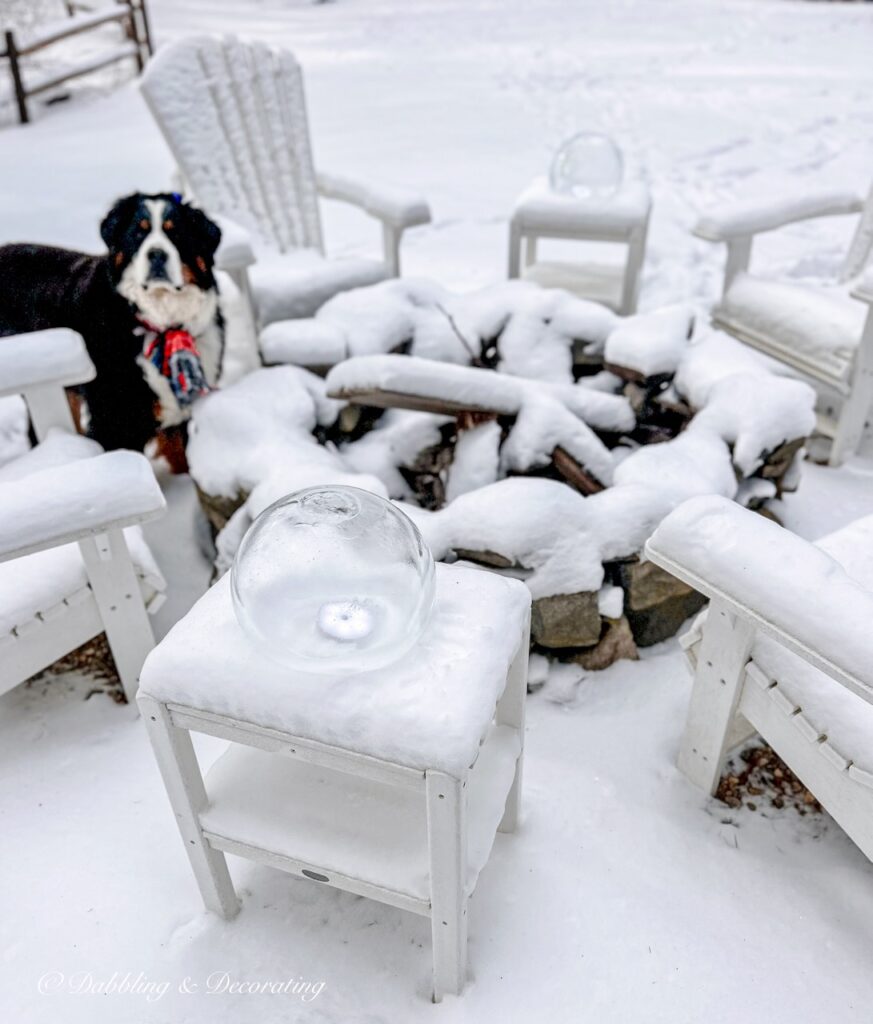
[587,166]
[333,579]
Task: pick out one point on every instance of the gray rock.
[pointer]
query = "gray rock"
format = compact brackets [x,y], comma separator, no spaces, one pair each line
[566,620]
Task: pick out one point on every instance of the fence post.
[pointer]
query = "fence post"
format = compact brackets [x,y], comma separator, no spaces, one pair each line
[17,84]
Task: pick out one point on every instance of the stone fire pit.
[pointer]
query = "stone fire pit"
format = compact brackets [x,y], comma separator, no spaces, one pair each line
[524,430]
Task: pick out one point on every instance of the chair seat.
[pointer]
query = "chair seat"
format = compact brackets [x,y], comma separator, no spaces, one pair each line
[814,329]
[831,709]
[288,286]
[431,709]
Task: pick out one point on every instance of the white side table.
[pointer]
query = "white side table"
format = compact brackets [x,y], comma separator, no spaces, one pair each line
[623,217]
[390,784]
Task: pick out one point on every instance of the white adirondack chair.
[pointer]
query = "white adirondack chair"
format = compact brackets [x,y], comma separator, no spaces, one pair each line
[819,331]
[234,117]
[73,562]
[785,650]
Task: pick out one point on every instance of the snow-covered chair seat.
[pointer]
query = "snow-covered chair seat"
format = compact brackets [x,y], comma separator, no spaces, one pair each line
[623,217]
[825,332]
[390,783]
[234,116]
[784,650]
[818,330]
[73,561]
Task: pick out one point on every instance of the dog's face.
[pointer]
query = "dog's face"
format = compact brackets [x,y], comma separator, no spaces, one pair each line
[161,258]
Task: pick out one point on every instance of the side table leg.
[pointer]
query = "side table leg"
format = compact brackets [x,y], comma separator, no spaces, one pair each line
[447,844]
[177,761]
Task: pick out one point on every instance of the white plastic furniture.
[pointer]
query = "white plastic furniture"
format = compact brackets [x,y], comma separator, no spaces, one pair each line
[68,567]
[234,116]
[820,331]
[390,784]
[623,218]
[785,650]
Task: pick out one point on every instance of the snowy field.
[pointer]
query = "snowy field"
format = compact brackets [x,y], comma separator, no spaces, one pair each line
[626,896]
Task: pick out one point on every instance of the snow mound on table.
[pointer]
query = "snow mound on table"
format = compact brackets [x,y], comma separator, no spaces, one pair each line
[432,709]
[651,343]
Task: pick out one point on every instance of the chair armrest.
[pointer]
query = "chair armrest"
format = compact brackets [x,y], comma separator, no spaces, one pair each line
[77,500]
[787,587]
[395,207]
[750,217]
[235,251]
[43,358]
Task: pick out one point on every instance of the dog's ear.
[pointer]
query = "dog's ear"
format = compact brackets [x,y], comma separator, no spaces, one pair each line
[203,227]
[116,222]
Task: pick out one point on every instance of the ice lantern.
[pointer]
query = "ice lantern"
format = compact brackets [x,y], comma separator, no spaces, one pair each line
[333,579]
[588,166]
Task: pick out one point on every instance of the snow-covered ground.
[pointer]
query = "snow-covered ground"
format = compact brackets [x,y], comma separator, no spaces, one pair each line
[625,895]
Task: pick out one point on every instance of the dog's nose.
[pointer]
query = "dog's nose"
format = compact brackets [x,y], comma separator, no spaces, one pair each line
[157,264]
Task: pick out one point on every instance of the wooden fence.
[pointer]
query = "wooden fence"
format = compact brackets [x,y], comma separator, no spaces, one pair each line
[83,17]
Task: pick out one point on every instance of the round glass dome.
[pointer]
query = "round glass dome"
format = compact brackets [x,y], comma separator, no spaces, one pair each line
[587,166]
[333,579]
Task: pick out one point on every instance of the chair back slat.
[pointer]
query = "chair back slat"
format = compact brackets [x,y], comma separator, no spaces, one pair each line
[234,116]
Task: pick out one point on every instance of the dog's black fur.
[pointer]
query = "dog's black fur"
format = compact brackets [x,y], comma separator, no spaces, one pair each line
[43,287]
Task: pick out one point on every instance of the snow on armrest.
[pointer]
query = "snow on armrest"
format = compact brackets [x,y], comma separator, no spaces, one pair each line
[789,588]
[77,500]
[57,356]
[750,217]
[863,290]
[235,250]
[395,206]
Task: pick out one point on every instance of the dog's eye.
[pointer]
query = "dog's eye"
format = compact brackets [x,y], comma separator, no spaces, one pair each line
[144,224]
[168,225]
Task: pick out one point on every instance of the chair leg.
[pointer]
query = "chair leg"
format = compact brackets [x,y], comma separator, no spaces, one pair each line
[447,844]
[116,590]
[718,683]
[180,771]
[514,250]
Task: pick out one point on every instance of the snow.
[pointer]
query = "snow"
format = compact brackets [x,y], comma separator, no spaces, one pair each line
[844,718]
[651,343]
[543,420]
[769,210]
[625,891]
[238,435]
[774,573]
[711,358]
[396,441]
[756,414]
[56,356]
[695,462]
[822,324]
[539,208]
[476,460]
[63,502]
[430,709]
[14,440]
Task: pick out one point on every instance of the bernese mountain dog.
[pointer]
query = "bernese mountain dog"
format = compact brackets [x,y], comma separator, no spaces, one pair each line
[148,311]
